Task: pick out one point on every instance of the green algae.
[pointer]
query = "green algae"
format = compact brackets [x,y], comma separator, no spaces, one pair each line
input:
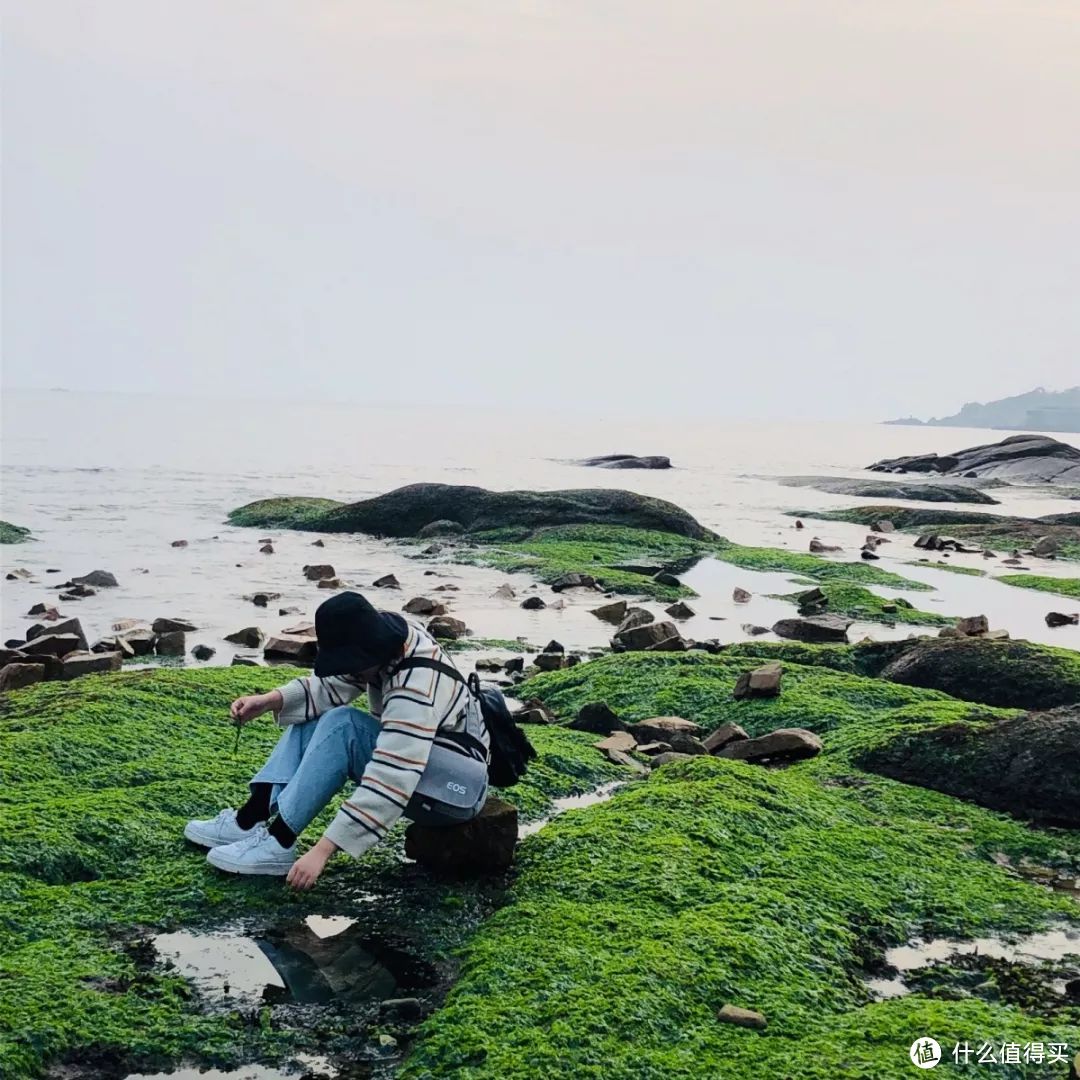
[97,778]
[858,603]
[715,882]
[283,512]
[476,644]
[1069,587]
[13,534]
[969,571]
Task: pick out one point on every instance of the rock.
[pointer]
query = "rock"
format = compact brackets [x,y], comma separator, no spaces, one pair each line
[289,611]
[422,605]
[869,554]
[514,664]
[331,583]
[39,609]
[1025,765]
[742,596]
[1055,619]
[98,579]
[294,650]
[785,744]
[973,625]
[814,629]
[642,637]
[799,524]
[654,748]
[1019,459]
[619,740]
[442,527]
[812,600]
[318,543]
[554,647]
[597,717]
[267,549]
[550,661]
[488,663]
[759,683]
[626,461]
[261,599]
[573,581]
[1045,547]
[665,578]
[534,712]
[533,603]
[318,571]
[504,592]
[387,581]
[58,645]
[886,526]
[20,574]
[66,626]
[635,616]
[747,1018]
[171,644]
[480,846]
[621,757]
[667,758]
[818,547]
[14,643]
[247,660]
[754,630]
[447,628]
[303,629]
[997,635]
[178,543]
[16,676]
[680,611]
[251,637]
[726,733]
[203,652]
[673,643]
[612,613]
[662,729]
[90,663]
[166,626]
[866,488]
[644,569]
[77,592]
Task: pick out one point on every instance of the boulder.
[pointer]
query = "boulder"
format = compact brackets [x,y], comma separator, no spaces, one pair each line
[1055,619]
[597,717]
[973,625]
[65,626]
[488,663]
[639,638]
[90,663]
[168,626]
[16,676]
[550,661]
[1026,765]
[302,629]
[318,571]
[619,740]
[747,1018]
[447,628]
[759,683]
[294,650]
[554,647]
[814,629]
[662,729]
[514,665]
[203,652]
[1045,547]
[785,744]
[442,527]
[251,637]
[874,488]
[621,757]
[40,609]
[716,740]
[680,610]
[533,603]
[483,845]
[140,640]
[331,583]
[423,605]
[573,581]
[173,643]
[635,616]
[627,461]
[58,645]
[612,613]
[97,579]
[387,581]
[267,549]
[668,579]
[673,643]
[819,547]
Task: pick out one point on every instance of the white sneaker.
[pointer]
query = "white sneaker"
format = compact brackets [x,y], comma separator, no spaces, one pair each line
[257,853]
[217,831]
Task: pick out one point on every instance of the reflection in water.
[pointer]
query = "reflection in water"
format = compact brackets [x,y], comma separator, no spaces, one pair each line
[307,1063]
[572,802]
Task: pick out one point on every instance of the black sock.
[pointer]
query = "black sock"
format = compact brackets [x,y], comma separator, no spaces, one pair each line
[281,832]
[257,808]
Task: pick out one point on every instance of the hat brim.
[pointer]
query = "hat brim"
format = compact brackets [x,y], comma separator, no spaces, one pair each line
[344,660]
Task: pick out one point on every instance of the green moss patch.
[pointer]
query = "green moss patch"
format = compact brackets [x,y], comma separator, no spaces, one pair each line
[283,512]
[1059,586]
[13,534]
[939,564]
[97,778]
[715,882]
[858,603]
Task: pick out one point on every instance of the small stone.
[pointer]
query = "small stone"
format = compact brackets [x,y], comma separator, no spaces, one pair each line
[868,554]
[533,603]
[754,630]
[759,683]
[747,1018]
[267,549]
[634,617]
[261,599]
[251,637]
[304,629]
[203,652]
[662,728]
[483,845]
[653,748]
[21,574]
[640,638]
[178,543]
[98,579]
[294,650]
[715,741]
[973,625]
[447,628]
[1045,547]
[317,543]
[554,647]
[741,596]
[423,605]
[619,740]
[247,660]
[680,610]
[166,626]
[126,624]
[318,571]
[667,758]
[621,757]
[16,676]
[58,645]
[573,581]
[815,629]
[289,611]
[799,524]
[488,663]
[1056,618]
[597,717]
[171,644]
[504,592]
[817,547]
[670,580]
[514,664]
[882,526]
[331,583]
[77,664]
[534,712]
[612,613]
[785,744]
[550,661]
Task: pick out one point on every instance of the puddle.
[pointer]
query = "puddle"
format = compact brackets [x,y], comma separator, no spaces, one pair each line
[319,960]
[1047,945]
[306,1064]
[572,802]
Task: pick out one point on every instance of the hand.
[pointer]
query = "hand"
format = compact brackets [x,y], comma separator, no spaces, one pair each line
[306,870]
[245,709]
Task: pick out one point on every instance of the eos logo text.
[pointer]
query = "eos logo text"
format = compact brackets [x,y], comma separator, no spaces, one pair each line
[459,788]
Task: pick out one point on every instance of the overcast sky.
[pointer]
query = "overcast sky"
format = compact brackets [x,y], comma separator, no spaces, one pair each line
[755,207]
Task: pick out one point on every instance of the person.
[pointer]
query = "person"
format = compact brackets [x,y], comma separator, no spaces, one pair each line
[417,703]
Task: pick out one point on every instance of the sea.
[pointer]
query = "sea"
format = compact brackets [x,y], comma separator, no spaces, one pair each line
[109,481]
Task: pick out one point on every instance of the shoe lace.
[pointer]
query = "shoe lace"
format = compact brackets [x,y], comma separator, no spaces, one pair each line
[259,834]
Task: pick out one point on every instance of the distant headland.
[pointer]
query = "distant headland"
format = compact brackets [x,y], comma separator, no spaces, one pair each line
[1037,410]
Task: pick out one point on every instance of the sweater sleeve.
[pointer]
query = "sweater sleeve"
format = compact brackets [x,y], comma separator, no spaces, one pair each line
[409,722]
[308,698]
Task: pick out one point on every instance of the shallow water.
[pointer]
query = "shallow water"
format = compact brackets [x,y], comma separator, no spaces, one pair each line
[246,1072]
[572,802]
[108,481]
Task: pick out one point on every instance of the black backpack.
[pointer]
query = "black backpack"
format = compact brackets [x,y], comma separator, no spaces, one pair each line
[510,750]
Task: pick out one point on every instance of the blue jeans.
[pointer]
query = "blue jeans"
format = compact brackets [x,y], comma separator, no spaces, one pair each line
[312,761]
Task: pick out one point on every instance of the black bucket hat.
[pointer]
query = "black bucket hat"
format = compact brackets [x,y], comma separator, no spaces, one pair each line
[354,636]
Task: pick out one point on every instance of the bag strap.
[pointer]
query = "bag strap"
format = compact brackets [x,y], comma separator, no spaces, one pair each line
[472,683]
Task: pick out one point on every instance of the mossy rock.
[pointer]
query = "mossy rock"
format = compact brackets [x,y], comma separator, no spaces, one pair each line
[859,603]
[406,511]
[892,489]
[1069,587]
[13,534]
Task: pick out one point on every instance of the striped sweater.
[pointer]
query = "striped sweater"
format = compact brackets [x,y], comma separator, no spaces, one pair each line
[410,706]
